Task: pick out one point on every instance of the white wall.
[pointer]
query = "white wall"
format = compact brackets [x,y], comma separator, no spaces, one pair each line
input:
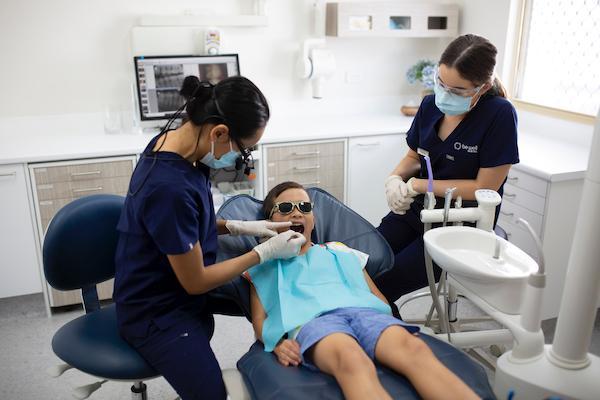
[487,18]
[71,56]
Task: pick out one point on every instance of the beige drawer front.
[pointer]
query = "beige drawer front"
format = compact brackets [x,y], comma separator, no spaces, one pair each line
[319,178]
[77,172]
[76,189]
[60,298]
[337,192]
[527,182]
[510,213]
[49,208]
[321,167]
[523,198]
[298,152]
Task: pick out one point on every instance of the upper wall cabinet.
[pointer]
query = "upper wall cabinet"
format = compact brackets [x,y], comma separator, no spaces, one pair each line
[391,19]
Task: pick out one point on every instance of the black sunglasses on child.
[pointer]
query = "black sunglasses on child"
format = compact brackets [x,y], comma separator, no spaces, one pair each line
[286,207]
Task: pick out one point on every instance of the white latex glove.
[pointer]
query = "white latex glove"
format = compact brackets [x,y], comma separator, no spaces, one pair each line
[409,186]
[397,194]
[285,245]
[261,228]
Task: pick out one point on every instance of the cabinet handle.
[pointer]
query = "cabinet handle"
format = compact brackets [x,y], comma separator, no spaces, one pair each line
[507,214]
[510,195]
[74,174]
[512,178]
[306,153]
[368,144]
[6,175]
[307,168]
[94,189]
[310,183]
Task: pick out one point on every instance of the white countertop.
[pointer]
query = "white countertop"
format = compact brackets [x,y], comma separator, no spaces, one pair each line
[77,136]
[550,159]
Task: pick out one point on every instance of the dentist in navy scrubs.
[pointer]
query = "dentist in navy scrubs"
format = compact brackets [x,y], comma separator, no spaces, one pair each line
[469,129]
[166,253]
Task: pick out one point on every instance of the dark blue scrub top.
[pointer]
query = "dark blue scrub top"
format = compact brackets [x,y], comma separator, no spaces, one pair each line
[172,210]
[485,138]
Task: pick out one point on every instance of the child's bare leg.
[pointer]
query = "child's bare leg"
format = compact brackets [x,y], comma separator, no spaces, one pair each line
[341,356]
[410,356]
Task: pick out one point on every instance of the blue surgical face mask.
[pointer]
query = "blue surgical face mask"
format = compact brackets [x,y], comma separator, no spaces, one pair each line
[451,103]
[226,160]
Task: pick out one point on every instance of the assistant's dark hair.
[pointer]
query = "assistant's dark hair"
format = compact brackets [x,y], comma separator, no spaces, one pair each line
[276,191]
[234,101]
[474,57]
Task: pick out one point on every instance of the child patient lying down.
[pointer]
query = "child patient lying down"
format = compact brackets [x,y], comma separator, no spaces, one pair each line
[322,310]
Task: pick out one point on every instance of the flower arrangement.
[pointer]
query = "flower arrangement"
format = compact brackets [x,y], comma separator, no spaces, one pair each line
[423,71]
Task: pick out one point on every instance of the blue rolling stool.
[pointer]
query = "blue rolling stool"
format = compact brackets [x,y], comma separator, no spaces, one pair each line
[79,251]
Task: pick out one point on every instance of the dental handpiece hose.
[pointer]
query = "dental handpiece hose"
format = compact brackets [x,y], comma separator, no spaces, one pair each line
[531,312]
[429,201]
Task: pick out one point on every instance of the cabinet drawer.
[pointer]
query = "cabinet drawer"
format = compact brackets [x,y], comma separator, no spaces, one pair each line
[49,208]
[321,166]
[298,152]
[322,179]
[523,198]
[527,182]
[60,298]
[336,191]
[76,189]
[510,213]
[77,172]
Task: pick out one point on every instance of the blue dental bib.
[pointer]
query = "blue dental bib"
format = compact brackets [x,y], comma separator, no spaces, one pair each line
[296,290]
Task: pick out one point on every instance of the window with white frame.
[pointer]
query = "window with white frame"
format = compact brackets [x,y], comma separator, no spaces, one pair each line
[559,64]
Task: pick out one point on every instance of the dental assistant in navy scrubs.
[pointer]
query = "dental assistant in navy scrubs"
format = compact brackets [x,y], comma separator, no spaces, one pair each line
[166,253]
[469,129]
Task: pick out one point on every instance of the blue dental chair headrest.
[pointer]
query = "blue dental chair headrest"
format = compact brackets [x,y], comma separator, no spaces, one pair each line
[334,221]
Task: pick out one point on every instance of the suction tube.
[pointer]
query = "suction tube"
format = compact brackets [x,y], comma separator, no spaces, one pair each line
[442,316]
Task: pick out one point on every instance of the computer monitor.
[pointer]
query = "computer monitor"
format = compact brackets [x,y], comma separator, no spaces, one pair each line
[159,79]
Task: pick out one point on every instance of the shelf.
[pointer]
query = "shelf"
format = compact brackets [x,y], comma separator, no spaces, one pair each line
[391,19]
[203,20]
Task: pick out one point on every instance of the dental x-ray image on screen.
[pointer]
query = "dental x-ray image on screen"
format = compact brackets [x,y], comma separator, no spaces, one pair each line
[169,79]
[213,73]
[159,79]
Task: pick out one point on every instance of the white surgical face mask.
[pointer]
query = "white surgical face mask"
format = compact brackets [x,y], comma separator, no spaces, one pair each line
[226,160]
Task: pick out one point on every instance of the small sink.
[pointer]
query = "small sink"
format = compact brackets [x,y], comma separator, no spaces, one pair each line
[468,255]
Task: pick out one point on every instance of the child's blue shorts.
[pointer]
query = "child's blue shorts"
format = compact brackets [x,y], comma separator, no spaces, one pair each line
[363,324]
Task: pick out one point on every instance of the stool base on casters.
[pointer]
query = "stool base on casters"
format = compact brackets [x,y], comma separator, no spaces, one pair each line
[138,391]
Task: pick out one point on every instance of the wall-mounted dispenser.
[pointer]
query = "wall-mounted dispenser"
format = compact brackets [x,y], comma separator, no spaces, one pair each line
[317,64]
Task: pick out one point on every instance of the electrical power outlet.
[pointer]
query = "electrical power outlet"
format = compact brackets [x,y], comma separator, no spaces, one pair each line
[354,77]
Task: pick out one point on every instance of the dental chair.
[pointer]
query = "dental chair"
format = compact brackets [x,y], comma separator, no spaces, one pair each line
[262,377]
[78,252]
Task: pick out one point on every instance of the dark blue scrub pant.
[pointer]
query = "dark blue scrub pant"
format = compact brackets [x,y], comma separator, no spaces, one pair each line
[182,354]
[404,233]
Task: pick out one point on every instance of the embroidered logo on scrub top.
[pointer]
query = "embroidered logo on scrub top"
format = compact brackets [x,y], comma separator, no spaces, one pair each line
[461,146]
